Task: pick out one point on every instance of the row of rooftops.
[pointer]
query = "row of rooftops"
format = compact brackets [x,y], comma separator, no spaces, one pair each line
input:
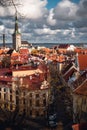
[28,76]
[76,79]
[61,58]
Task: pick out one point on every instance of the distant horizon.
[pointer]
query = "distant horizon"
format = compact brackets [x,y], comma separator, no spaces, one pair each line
[48,45]
[51,43]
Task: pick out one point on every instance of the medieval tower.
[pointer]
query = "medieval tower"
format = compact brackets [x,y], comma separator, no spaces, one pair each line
[16,36]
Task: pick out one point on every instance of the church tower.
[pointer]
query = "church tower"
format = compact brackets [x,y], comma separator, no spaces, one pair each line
[16,36]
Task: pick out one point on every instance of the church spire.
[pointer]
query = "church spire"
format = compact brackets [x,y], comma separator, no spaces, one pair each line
[16,35]
[16,23]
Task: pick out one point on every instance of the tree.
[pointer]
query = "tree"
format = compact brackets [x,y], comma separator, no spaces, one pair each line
[34,52]
[4,2]
[6,61]
[62,96]
[7,2]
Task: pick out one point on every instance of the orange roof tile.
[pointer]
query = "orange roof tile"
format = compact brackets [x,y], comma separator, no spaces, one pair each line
[82,60]
[15,54]
[24,51]
[47,50]
[1,51]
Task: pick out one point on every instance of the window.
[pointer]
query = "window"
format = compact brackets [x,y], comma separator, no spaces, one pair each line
[30,102]
[5,105]
[17,92]
[0,95]
[24,111]
[4,96]
[37,95]
[30,112]
[11,98]
[4,89]
[10,90]
[30,94]
[37,113]
[24,101]
[44,95]
[11,107]
[84,101]
[44,102]
[37,103]
[23,93]
[17,100]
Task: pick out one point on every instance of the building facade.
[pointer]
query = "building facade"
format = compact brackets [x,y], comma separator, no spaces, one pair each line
[25,91]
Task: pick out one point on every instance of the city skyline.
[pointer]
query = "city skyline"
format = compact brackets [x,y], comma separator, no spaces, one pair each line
[61,21]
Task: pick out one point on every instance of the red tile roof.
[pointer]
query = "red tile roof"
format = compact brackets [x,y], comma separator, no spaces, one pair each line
[81,50]
[81,126]
[24,51]
[1,51]
[82,60]
[32,82]
[64,46]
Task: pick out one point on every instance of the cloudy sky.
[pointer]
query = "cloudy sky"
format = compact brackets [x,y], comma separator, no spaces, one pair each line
[55,21]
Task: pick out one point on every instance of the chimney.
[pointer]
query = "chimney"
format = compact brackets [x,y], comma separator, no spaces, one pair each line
[3,40]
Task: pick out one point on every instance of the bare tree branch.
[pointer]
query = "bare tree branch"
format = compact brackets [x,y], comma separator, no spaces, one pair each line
[14,3]
[5,3]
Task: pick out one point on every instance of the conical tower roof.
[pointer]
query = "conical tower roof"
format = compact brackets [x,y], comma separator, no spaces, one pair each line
[16,24]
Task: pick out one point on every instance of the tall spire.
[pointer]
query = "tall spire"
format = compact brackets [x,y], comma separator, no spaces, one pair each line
[16,35]
[16,23]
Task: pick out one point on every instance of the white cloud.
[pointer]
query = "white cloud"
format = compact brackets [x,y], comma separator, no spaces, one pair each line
[69,32]
[73,33]
[32,9]
[66,10]
[3,11]
[2,28]
[82,10]
[66,32]
[50,18]
[47,31]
